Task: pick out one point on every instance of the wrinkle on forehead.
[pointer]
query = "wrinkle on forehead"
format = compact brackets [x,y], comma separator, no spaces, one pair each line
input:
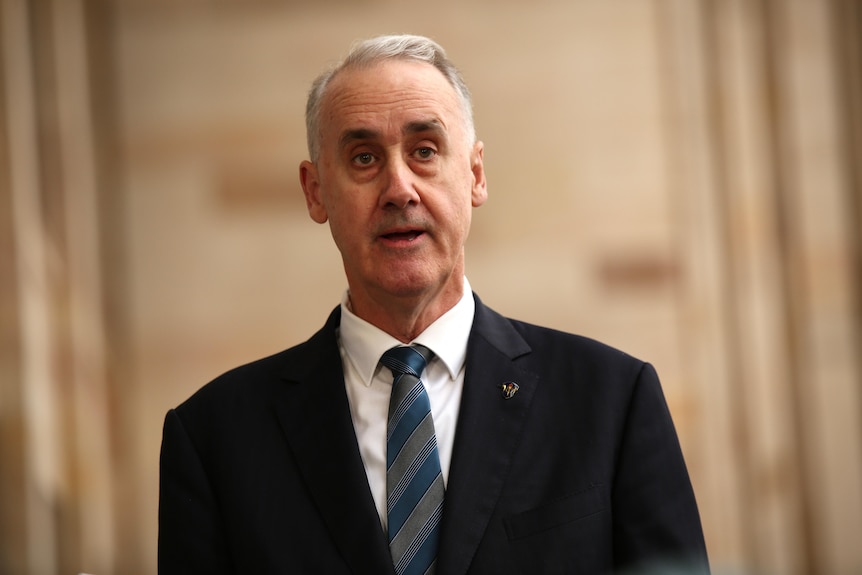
[432,125]
[393,95]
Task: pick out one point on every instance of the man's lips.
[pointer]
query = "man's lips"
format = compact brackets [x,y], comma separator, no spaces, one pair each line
[402,235]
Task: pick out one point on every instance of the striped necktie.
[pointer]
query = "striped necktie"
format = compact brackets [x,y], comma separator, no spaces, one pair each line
[414,483]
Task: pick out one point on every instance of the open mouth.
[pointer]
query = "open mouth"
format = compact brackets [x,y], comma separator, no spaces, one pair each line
[407,236]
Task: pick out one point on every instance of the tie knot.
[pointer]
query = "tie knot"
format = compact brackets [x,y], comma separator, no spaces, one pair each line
[407,359]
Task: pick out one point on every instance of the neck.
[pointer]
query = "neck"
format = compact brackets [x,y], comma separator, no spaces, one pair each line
[405,317]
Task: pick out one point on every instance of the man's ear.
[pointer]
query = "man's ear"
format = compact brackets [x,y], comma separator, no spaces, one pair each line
[477,166]
[310,181]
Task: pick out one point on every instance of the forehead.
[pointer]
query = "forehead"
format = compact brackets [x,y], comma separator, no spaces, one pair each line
[388,96]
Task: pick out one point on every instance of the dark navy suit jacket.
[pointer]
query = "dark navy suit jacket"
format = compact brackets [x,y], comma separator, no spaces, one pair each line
[579,472]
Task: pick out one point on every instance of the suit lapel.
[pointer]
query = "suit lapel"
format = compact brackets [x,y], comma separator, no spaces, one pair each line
[486,437]
[318,427]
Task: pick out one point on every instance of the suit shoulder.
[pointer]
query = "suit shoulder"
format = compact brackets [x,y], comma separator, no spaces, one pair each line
[579,354]
[554,349]
[238,380]
[255,380]
[273,370]
[541,336]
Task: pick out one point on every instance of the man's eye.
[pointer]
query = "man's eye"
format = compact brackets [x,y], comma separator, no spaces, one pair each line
[425,153]
[363,159]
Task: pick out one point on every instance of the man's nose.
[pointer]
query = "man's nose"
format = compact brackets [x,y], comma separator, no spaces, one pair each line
[399,181]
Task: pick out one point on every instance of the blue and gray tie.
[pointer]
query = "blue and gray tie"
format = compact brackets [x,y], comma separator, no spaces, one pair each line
[414,484]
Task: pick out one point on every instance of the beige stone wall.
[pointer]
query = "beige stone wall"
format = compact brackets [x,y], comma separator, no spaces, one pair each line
[679,178]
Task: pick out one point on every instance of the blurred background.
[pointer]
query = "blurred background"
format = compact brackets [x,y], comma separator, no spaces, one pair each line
[679,178]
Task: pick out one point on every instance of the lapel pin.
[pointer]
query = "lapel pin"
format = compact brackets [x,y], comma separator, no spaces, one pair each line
[509,389]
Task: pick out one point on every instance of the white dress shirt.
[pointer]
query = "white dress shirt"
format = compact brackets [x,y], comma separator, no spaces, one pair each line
[369,384]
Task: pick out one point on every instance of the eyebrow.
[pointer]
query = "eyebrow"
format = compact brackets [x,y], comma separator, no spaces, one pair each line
[416,127]
[432,125]
[356,135]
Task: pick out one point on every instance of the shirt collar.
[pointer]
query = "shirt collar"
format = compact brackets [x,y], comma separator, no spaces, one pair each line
[447,337]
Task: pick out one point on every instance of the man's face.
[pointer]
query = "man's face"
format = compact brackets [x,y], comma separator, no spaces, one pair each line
[397,178]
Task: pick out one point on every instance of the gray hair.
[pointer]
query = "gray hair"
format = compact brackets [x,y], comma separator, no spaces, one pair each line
[373,51]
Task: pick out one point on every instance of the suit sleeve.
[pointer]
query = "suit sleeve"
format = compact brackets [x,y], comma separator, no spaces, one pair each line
[656,521]
[191,536]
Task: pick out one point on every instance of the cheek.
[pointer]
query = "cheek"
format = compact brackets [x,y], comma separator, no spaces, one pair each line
[343,207]
[350,225]
[461,205]
[340,220]
[346,241]
[457,219]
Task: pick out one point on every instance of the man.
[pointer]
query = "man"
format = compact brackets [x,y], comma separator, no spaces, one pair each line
[543,452]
